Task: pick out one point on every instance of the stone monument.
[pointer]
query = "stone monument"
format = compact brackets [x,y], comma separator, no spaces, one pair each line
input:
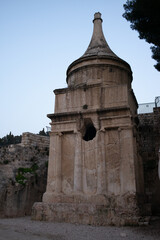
[95,173]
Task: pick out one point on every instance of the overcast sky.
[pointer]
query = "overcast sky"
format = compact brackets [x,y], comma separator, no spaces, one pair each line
[40,38]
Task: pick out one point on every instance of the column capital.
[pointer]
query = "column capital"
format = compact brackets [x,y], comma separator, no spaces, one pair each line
[102,129]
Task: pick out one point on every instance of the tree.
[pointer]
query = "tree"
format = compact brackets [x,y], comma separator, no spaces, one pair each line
[144,16]
[10,139]
[43,133]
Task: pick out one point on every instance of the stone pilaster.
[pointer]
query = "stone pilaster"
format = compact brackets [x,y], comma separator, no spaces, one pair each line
[101,165]
[127,168]
[78,163]
[58,164]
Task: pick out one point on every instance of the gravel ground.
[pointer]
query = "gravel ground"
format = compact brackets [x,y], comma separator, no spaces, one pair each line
[26,229]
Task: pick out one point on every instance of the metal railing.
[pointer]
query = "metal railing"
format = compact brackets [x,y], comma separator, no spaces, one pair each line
[157,101]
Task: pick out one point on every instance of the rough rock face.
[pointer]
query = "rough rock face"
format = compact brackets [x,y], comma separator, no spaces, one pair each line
[23,174]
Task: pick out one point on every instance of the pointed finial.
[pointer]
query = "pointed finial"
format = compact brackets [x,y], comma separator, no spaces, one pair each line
[98,49]
[98,45]
[97,16]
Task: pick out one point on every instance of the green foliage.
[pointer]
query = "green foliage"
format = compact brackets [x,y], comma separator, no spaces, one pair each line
[145,18]
[43,133]
[21,178]
[33,168]
[10,139]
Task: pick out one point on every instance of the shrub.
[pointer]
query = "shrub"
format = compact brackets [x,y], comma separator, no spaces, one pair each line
[20,178]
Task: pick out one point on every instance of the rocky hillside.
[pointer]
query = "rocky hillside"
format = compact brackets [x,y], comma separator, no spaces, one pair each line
[23,175]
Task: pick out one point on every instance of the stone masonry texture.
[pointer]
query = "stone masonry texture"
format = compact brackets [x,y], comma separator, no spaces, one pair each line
[149,129]
[23,174]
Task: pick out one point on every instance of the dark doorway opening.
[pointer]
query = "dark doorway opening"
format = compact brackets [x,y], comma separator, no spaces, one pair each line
[90,132]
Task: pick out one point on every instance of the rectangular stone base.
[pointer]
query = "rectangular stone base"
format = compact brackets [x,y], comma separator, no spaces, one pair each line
[82,213]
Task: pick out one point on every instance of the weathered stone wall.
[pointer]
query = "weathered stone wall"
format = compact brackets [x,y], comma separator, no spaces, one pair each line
[93,160]
[23,175]
[149,128]
[30,139]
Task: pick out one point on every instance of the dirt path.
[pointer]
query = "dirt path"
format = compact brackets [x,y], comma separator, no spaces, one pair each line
[26,229]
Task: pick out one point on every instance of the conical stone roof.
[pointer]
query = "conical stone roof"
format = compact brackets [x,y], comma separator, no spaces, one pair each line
[98,45]
[97,53]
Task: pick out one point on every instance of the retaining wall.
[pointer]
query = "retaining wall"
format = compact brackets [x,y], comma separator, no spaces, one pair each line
[30,139]
[149,129]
